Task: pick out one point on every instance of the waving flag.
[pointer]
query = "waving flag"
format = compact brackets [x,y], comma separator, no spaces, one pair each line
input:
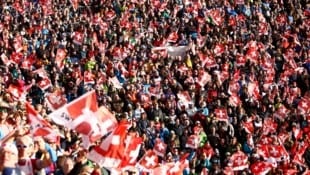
[84,116]
[55,99]
[110,153]
[160,147]
[39,126]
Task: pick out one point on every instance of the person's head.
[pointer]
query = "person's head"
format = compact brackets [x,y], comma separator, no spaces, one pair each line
[8,155]
[3,113]
[65,163]
[24,146]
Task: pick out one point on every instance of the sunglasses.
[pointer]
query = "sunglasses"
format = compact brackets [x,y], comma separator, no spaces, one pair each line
[21,146]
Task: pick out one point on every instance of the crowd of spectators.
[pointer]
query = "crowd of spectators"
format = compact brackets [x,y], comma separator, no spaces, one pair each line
[118,40]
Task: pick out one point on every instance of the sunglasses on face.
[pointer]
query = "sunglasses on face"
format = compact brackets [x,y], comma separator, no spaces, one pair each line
[21,146]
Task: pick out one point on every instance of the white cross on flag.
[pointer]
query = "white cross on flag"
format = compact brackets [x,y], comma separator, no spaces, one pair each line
[17,92]
[160,147]
[110,153]
[173,37]
[304,105]
[238,161]
[39,126]
[45,82]
[89,77]
[84,116]
[148,161]
[234,100]
[269,126]
[55,99]
[78,38]
[282,112]
[132,150]
[260,168]
[221,114]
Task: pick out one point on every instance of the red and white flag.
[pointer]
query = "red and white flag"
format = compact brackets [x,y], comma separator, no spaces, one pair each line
[192,142]
[149,161]
[45,81]
[238,161]
[282,112]
[17,92]
[234,100]
[84,116]
[89,77]
[219,49]
[17,57]
[6,61]
[160,147]
[173,37]
[221,114]
[18,43]
[28,62]
[132,150]
[269,126]
[110,15]
[115,82]
[184,98]
[60,57]
[260,168]
[39,126]
[207,61]
[78,37]
[216,16]
[55,99]
[304,105]
[110,153]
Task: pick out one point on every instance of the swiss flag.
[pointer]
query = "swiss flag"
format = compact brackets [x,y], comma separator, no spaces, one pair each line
[29,61]
[149,161]
[17,92]
[18,43]
[282,112]
[55,99]
[248,126]
[160,147]
[238,161]
[89,77]
[233,87]
[60,57]
[84,116]
[216,16]
[132,151]
[221,114]
[281,19]
[192,142]
[253,90]
[78,37]
[173,37]
[234,100]
[219,49]
[17,57]
[240,59]
[178,167]
[260,168]
[111,150]
[263,28]
[269,126]
[184,98]
[110,15]
[18,7]
[207,61]
[304,105]
[203,79]
[39,126]
[45,82]
[278,152]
